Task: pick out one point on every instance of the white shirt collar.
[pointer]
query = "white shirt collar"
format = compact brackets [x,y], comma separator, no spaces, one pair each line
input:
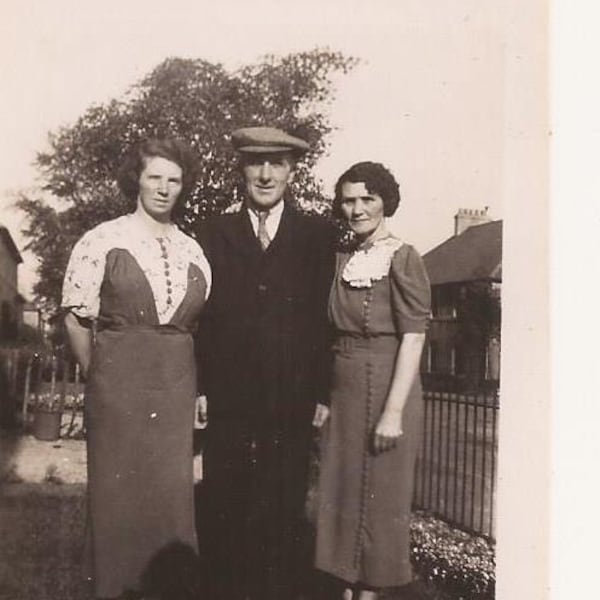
[273,219]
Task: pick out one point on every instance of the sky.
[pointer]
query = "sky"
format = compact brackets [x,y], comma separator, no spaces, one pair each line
[428,99]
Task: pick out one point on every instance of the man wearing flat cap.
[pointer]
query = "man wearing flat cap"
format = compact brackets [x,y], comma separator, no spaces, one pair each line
[264,357]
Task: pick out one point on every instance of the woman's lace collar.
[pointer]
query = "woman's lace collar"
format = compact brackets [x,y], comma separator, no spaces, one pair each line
[370,263]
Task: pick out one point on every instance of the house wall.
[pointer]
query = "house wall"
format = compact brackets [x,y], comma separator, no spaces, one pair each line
[9,295]
[458,354]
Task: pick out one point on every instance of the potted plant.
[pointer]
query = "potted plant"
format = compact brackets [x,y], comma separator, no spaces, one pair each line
[53,386]
[47,415]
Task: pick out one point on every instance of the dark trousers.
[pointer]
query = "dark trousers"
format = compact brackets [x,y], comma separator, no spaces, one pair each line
[252,525]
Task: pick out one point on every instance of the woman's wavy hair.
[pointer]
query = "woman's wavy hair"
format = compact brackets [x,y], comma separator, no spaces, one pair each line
[177,151]
[377,179]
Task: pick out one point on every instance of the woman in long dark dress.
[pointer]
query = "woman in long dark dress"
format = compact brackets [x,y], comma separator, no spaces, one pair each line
[379,306]
[143,283]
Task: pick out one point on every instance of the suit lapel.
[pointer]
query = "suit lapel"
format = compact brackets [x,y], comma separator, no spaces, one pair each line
[285,231]
[241,235]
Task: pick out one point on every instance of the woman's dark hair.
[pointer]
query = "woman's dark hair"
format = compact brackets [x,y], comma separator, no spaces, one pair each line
[128,176]
[377,179]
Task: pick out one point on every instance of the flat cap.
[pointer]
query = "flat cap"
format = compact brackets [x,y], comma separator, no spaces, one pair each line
[266,139]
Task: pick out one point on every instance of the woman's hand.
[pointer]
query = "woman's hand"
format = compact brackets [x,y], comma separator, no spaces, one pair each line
[388,431]
[80,339]
[406,368]
[201,412]
[321,415]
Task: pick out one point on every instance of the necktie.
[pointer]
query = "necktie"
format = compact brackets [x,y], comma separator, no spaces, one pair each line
[263,236]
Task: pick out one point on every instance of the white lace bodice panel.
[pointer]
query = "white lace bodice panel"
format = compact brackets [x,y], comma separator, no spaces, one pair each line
[164,262]
[370,264]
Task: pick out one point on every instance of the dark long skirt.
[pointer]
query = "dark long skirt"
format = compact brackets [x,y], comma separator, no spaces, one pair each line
[139,411]
[365,500]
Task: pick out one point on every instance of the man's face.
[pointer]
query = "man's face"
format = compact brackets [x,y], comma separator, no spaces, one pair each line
[267,177]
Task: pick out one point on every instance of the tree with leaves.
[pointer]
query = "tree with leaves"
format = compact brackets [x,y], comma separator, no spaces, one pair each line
[194,100]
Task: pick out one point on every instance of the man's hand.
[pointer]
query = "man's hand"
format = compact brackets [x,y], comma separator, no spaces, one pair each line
[321,415]
[201,412]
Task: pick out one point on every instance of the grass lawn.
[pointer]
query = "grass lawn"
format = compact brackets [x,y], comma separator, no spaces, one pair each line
[41,533]
[41,528]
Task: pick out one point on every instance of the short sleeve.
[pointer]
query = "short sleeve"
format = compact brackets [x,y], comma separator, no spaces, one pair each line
[84,275]
[410,289]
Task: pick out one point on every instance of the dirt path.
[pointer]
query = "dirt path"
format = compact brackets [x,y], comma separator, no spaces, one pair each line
[26,459]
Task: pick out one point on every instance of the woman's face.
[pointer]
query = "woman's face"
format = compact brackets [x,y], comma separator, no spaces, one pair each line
[363,210]
[160,185]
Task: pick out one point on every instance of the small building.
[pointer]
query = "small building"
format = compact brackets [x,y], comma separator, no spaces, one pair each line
[462,351]
[11,302]
[33,317]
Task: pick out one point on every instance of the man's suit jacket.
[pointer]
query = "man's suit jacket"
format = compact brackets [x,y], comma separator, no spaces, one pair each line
[264,338]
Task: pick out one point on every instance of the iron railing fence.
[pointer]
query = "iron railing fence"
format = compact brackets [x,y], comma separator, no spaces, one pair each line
[456,466]
[457,462]
[39,380]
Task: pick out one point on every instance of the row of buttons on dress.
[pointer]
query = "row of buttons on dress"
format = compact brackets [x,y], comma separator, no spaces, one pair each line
[367,310]
[165,256]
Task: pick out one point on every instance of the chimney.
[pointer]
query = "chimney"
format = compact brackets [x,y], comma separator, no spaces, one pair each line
[467,217]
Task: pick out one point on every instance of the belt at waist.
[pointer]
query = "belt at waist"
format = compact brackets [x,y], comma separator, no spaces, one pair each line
[364,335]
[382,342]
[161,329]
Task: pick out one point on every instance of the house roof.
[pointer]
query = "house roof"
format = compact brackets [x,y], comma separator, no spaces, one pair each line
[8,241]
[473,255]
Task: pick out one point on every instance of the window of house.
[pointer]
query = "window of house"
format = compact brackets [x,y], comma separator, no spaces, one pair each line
[432,357]
[444,302]
[492,360]
[457,361]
